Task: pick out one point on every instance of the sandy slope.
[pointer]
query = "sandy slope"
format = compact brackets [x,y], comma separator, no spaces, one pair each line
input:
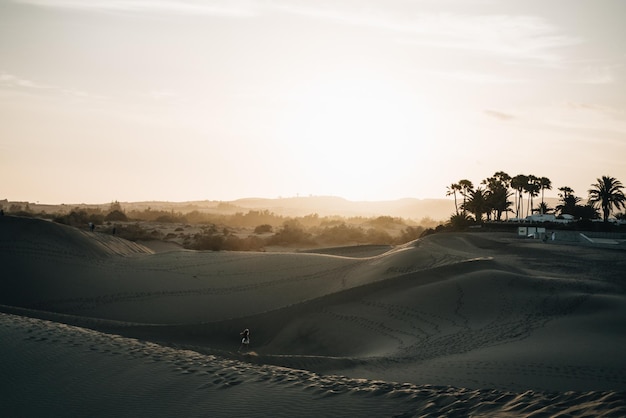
[51,369]
[493,314]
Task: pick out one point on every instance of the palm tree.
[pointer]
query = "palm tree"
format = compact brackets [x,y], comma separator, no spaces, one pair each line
[543,208]
[498,178]
[569,201]
[498,200]
[532,188]
[607,193]
[498,188]
[544,184]
[519,183]
[459,221]
[452,189]
[565,192]
[478,203]
[466,188]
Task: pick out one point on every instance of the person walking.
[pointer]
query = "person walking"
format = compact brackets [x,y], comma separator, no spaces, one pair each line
[245,339]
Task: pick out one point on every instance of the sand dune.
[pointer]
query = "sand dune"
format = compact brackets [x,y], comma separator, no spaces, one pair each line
[450,325]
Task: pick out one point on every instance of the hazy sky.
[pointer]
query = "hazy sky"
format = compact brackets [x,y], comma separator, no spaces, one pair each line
[129,100]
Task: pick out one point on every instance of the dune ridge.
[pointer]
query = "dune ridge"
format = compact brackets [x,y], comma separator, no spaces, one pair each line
[453,324]
[66,368]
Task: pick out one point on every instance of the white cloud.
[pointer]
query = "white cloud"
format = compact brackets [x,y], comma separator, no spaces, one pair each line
[230,8]
[13,82]
[512,36]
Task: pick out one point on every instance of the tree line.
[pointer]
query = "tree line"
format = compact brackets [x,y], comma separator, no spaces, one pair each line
[502,194]
[253,230]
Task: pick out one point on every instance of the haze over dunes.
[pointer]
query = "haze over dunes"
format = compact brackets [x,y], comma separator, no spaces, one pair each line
[452,324]
[409,208]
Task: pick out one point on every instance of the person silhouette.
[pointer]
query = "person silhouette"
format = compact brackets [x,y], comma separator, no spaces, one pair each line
[245,339]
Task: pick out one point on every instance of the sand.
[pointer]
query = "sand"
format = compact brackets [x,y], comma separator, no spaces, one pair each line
[472,324]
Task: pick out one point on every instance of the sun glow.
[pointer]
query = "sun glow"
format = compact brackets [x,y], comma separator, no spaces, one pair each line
[360,128]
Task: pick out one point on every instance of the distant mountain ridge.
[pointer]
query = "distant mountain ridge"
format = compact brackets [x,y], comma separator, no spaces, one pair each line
[331,205]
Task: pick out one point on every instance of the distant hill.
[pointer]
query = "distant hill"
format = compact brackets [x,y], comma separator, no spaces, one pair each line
[436,209]
[409,208]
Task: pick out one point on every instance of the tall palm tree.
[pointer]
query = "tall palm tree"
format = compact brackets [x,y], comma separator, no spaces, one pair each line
[452,189]
[466,188]
[607,193]
[532,188]
[544,184]
[519,183]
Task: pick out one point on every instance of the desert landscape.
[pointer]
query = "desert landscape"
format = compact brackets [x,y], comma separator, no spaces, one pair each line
[452,324]
[304,208]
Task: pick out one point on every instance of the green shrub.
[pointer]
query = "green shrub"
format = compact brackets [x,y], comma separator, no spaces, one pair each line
[263,229]
[342,234]
[410,234]
[290,234]
[74,218]
[208,242]
[116,216]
